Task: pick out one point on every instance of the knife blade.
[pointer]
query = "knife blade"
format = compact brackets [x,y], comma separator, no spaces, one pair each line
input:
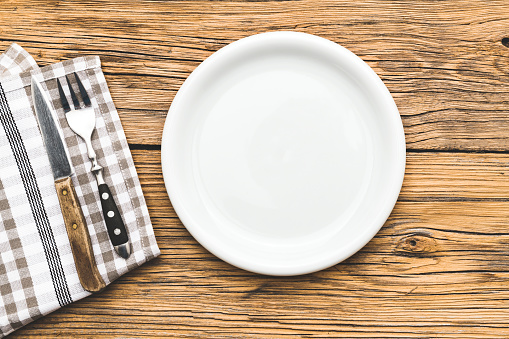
[75,223]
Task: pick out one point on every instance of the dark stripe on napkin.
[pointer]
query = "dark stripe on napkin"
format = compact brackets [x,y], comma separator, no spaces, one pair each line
[35,201]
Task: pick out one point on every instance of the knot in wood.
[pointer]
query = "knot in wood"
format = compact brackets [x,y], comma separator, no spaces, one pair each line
[417,244]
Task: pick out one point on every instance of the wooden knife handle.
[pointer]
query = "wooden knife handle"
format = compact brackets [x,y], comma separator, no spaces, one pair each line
[77,231]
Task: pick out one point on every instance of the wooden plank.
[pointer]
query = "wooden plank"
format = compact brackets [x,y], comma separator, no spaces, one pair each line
[429,176]
[444,64]
[437,268]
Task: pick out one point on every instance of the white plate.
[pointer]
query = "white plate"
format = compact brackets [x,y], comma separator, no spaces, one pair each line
[283,153]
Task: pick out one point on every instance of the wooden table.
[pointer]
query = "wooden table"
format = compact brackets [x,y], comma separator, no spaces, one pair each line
[439,267]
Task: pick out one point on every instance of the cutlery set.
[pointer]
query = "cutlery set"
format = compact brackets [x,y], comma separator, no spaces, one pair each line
[82,121]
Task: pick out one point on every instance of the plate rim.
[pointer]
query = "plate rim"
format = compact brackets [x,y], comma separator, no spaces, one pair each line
[216,250]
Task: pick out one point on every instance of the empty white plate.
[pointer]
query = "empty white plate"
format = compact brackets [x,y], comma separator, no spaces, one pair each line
[283,153]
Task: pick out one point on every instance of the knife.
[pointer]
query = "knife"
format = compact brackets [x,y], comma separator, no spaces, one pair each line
[75,224]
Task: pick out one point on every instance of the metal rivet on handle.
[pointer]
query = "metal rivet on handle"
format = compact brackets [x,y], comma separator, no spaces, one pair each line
[105,196]
[116,231]
[111,214]
[74,226]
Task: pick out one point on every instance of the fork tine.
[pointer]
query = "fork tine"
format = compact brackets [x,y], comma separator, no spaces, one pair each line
[84,94]
[73,95]
[63,99]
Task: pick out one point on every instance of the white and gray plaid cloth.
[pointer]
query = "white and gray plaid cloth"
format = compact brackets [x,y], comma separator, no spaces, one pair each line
[37,271]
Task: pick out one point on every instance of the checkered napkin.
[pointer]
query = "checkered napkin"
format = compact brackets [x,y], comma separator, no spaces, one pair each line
[37,271]
[15,60]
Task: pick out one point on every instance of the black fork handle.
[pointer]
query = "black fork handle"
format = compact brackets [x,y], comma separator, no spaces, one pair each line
[114,223]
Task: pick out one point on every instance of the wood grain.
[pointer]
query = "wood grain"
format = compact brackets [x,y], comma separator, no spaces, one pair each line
[79,238]
[437,268]
[445,64]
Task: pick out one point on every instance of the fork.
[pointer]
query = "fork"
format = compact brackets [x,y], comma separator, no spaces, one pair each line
[82,122]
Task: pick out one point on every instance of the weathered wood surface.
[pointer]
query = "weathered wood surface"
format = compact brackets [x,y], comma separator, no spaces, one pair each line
[438,267]
[444,62]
